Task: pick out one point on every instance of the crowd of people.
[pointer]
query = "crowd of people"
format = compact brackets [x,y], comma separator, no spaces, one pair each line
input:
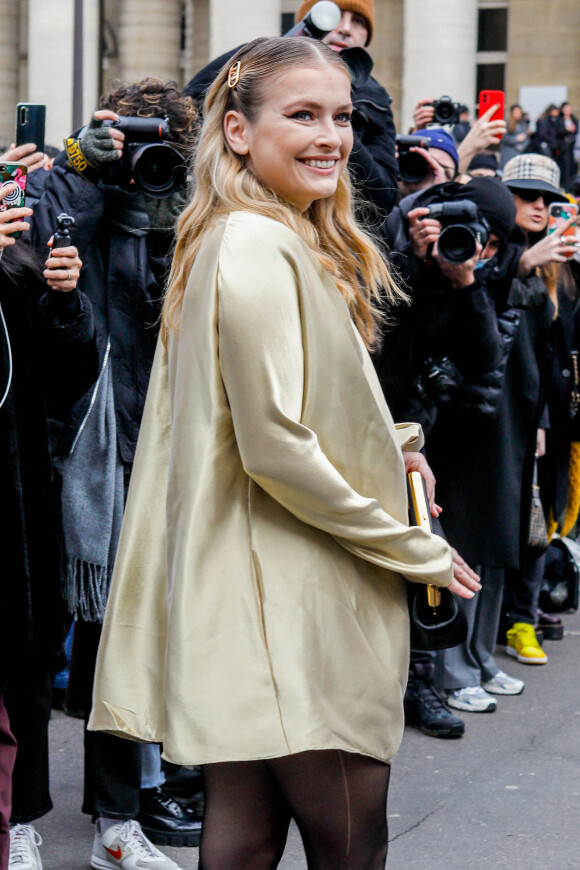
[210,400]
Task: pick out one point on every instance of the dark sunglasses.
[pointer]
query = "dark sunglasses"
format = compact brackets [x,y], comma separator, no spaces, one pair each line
[529,195]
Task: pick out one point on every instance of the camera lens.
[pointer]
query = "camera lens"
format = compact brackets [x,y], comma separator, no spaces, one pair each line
[412,167]
[158,170]
[456,244]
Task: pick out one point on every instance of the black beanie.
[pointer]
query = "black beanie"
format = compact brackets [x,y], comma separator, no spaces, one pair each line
[495,202]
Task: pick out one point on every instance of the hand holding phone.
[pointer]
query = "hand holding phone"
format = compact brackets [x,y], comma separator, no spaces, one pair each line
[489,99]
[559,217]
[13,177]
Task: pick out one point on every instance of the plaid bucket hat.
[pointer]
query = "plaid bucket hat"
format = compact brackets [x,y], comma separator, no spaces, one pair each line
[534,172]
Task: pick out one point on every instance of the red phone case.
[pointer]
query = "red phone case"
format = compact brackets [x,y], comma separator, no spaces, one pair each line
[487,99]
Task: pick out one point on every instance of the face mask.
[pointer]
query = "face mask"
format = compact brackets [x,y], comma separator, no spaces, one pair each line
[481,263]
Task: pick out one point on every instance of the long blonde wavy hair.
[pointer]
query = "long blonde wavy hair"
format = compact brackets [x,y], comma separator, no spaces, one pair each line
[223,184]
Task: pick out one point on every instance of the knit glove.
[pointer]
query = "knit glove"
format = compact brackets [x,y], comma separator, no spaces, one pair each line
[93,149]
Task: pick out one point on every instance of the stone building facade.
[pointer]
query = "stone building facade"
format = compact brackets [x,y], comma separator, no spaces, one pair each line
[421,48]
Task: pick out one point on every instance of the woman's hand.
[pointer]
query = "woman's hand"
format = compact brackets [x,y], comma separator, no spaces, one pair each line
[551,249]
[63,269]
[12,219]
[465,581]
[423,231]
[26,154]
[482,134]
[423,113]
[417,462]
[459,275]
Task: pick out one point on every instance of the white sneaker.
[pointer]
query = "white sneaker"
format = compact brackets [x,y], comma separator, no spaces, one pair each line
[24,843]
[503,684]
[471,698]
[125,845]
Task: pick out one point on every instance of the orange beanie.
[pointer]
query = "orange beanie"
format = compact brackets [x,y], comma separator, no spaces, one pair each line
[361,7]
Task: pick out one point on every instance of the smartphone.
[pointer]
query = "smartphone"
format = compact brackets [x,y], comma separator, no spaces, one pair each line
[487,99]
[30,124]
[13,173]
[559,213]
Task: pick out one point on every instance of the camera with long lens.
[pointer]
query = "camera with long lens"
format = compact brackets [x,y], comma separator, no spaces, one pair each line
[412,166]
[445,111]
[155,166]
[322,18]
[463,228]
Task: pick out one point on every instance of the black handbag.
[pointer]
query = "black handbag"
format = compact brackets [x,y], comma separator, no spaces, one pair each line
[436,619]
[538,534]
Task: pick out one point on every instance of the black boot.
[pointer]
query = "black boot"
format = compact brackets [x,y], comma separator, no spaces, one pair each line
[426,710]
[168,822]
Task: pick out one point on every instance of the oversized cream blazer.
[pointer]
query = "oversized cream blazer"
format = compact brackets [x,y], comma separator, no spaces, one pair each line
[258,605]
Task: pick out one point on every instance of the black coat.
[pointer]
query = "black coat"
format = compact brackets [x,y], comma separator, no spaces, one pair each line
[54,360]
[123,275]
[553,466]
[484,466]
[372,162]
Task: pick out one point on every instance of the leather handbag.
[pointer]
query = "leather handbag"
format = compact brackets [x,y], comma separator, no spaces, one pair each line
[538,534]
[436,619]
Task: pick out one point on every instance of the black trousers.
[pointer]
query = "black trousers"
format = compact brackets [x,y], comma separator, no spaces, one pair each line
[112,782]
[522,591]
[28,697]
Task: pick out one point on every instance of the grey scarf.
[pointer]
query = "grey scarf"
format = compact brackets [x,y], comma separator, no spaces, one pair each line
[92,503]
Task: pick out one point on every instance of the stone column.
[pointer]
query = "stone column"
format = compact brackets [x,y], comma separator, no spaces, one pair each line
[232,22]
[9,50]
[439,48]
[150,39]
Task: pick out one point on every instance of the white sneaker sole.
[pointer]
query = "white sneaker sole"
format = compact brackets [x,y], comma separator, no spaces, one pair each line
[470,708]
[493,690]
[101,864]
[524,659]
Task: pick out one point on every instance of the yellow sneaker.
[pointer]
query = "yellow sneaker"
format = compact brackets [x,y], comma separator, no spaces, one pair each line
[523,645]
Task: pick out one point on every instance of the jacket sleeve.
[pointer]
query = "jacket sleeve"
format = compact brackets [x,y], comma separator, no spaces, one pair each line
[67,337]
[262,365]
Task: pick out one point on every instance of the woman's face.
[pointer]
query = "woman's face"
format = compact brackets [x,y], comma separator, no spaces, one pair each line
[517,113]
[531,213]
[301,140]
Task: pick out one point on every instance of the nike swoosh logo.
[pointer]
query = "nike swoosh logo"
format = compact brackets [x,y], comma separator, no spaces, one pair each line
[116,853]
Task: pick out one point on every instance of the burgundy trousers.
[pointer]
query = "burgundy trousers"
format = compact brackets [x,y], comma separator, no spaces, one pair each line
[7,759]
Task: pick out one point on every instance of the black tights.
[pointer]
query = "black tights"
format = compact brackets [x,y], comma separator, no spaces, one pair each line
[337,799]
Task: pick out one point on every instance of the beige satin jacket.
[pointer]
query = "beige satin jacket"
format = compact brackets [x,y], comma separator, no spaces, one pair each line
[258,607]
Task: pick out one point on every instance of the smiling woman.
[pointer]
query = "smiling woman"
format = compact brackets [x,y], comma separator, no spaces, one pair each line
[258,599]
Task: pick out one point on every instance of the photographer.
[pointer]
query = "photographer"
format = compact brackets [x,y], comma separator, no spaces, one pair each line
[125,235]
[488,498]
[372,162]
[449,335]
[47,360]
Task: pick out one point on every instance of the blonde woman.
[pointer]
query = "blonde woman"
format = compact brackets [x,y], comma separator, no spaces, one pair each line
[258,620]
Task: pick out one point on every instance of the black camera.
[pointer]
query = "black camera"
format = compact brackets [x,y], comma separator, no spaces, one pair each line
[322,18]
[62,237]
[156,167]
[412,166]
[445,111]
[463,228]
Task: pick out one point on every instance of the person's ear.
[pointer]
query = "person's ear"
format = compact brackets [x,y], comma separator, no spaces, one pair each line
[236,132]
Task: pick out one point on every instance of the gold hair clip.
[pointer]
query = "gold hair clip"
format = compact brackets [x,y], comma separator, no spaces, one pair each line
[234,74]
